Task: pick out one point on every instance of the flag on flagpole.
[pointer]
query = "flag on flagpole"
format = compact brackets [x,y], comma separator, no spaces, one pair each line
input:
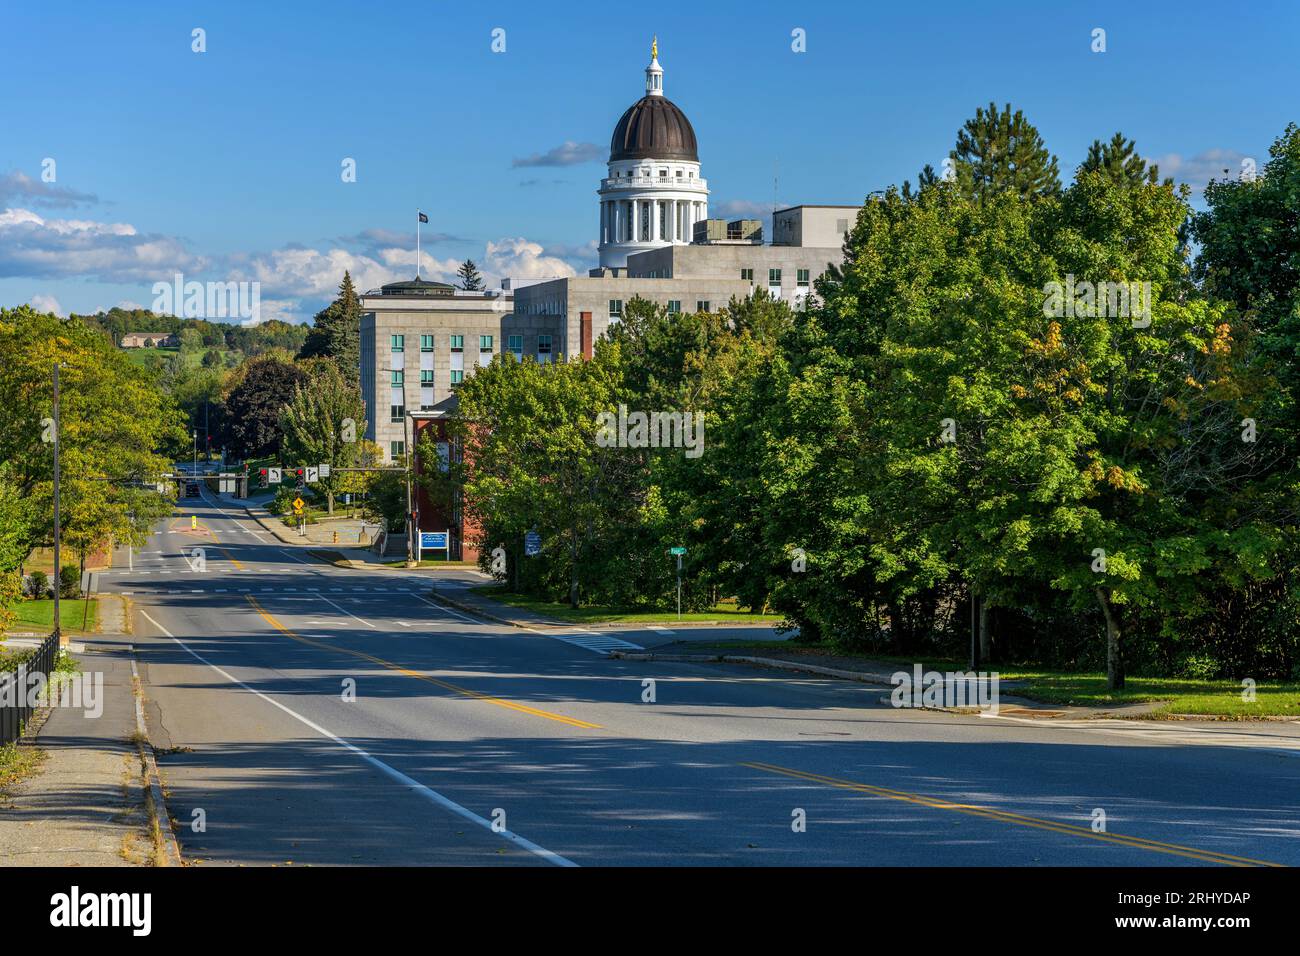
[423,217]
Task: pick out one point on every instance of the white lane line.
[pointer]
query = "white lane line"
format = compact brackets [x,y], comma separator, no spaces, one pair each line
[345,611]
[445,802]
[659,630]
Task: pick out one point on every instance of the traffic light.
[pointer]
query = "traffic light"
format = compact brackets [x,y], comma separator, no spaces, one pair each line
[262,473]
[298,472]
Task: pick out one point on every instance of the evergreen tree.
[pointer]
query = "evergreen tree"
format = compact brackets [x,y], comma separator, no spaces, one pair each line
[336,332]
[470,279]
[999,151]
[1119,160]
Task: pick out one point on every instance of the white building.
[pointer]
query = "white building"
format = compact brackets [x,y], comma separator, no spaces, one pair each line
[654,194]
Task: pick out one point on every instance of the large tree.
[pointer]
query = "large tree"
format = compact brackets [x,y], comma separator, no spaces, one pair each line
[314,425]
[468,274]
[256,394]
[336,332]
[115,422]
[998,150]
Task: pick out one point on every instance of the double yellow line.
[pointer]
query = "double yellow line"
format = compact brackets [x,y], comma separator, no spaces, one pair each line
[1018,819]
[407,672]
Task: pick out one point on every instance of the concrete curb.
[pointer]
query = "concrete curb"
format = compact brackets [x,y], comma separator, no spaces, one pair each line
[862,677]
[158,803]
[270,528]
[485,615]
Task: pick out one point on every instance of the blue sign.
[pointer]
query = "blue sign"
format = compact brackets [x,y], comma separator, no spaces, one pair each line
[532,544]
[433,541]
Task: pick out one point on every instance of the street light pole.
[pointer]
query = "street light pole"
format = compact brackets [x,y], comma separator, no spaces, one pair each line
[58,575]
[196,453]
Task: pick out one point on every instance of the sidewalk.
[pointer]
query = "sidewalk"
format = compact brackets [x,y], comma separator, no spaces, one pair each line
[85,804]
[321,533]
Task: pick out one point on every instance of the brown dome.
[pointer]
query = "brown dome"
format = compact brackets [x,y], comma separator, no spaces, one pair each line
[654,128]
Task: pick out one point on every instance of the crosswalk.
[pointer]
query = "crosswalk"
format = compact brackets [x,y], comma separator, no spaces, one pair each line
[599,643]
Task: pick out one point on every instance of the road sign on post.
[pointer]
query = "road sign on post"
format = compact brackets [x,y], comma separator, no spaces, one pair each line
[678,552]
[313,474]
[324,469]
[532,544]
[273,476]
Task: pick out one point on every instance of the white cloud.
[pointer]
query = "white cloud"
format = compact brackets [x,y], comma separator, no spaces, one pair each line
[47,303]
[31,245]
[567,153]
[19,185]
[1197,171]
[523,259]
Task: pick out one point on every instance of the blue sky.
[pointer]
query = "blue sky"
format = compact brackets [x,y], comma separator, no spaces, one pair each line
[226,164]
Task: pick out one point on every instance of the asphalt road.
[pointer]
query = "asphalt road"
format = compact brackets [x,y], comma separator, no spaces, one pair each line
[311,715]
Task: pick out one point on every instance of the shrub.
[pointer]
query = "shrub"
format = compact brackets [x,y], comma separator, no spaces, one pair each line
[40,584]
[69,581]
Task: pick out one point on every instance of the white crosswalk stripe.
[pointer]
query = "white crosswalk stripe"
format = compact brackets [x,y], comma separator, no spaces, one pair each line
[599,643]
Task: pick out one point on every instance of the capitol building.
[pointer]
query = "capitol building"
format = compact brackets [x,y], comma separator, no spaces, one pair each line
[419,339]
[654,194]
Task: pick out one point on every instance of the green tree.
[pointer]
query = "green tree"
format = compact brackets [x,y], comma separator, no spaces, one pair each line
[313,423]
[998,151]
[468,274]
[336,332]
[256,393]
[1120,162]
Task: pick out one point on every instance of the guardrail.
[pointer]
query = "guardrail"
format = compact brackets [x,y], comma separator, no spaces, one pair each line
[16,701]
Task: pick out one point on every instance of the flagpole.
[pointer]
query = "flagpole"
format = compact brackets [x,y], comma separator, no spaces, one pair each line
[417,243]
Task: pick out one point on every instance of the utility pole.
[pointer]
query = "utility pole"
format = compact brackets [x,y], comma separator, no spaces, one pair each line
[58,576]
[411,531]
[196,453]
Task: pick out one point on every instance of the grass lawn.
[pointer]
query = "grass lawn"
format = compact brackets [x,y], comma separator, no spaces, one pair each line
[1208,698]
[725,613]
[39,615]
[1203,698]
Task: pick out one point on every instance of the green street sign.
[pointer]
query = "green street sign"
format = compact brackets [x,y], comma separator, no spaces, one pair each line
[676,550]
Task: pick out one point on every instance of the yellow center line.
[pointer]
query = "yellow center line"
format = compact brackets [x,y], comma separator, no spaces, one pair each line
[464,691]
[1207,856]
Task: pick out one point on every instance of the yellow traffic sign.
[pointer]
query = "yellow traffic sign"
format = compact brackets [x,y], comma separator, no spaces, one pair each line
[297,505]
[194,522]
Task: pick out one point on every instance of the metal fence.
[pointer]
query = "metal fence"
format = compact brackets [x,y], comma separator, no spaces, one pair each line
[15,709]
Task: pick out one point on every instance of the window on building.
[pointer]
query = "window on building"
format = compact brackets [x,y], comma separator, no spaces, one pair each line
[396,449]
[702,305]
[396,413]
[841,225]
[426,343]
[674,305]
[616,308]
[426,376]
[773,276]
[457,376]
[663,174]
[515,344]
[747,275]
[543,345]
[398,342]
[396,378]
[801,277]
[458,343]
[485,343]
[679,174]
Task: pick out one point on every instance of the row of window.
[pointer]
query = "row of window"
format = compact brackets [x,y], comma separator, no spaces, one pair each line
[456,343]
[663,174]
[774,276]
[674,305]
